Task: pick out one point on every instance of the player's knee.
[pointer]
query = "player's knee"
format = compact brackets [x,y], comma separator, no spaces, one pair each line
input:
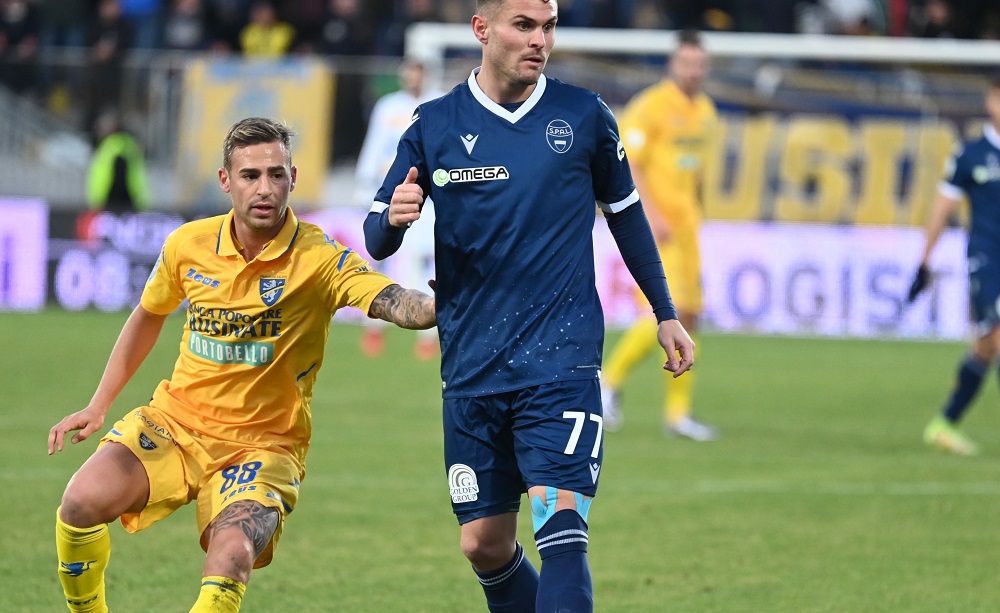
[230,557]
[79,510]
[484,552]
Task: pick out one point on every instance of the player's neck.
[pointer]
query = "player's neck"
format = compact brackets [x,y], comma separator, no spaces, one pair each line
[690,95]
[500,91]
[251,242]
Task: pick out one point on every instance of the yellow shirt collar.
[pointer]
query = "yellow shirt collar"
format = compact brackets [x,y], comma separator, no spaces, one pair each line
[228,245]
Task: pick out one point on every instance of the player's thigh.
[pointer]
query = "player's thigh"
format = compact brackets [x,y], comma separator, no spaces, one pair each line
[265,477]
[149,436]
[110,483]
[483,475]
[559,435]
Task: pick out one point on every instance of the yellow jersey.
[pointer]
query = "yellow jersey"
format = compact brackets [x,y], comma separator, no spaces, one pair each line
[667,137]
[255,331]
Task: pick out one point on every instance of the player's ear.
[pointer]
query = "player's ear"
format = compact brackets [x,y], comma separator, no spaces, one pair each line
[294,174]
[479,28]
[224,179]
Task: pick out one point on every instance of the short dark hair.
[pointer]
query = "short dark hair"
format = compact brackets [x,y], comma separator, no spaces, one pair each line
[689,36]
[255,131]
[488,6]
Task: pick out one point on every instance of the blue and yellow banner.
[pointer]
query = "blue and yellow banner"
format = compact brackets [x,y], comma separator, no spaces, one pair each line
[220,92]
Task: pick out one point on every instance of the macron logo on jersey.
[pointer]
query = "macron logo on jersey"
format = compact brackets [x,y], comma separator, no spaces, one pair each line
[469,141]
[443,177]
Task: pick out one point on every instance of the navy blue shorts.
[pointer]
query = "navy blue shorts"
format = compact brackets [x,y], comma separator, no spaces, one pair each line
[984,294]
[496,447]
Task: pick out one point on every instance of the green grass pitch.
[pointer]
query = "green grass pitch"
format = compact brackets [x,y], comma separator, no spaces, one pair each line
[820,495]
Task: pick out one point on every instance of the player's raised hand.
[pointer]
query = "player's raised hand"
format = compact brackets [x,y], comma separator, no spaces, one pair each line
[86,421]
[675,340]
[407,198]
[921,280]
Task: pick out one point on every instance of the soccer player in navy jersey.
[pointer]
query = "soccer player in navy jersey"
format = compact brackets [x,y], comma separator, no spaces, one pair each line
[515,163]
[974,173]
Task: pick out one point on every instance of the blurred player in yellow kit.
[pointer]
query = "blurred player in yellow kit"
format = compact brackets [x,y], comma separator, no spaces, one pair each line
[667,130]
[231,427]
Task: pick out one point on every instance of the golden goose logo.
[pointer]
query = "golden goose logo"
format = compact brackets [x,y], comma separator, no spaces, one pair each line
[271,289]
[463,484]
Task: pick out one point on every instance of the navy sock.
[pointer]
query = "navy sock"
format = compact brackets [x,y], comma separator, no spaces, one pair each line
[967,383]
[512,587]
[565,585]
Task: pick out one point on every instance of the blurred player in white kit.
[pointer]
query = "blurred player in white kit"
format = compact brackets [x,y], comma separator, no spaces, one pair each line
[390,117]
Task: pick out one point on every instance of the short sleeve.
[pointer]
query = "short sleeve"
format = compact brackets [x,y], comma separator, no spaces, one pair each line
[162,293]
[347,279]
[612,178]
[957,175]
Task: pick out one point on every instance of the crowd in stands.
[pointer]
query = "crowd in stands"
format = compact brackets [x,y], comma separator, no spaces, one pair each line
[376,27]
[108,30]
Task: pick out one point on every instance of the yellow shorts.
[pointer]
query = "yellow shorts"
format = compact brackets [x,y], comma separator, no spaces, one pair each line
[182,466]
[682,263]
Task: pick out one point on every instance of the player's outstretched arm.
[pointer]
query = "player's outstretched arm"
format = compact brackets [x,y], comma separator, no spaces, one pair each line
[407,308]
[943,208]
[676,341]
[136,340]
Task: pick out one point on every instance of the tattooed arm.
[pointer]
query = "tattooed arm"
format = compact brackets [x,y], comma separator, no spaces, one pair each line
[407,308]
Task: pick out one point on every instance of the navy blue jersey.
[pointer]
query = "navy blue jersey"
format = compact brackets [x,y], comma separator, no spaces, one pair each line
[514,191]
[975,171]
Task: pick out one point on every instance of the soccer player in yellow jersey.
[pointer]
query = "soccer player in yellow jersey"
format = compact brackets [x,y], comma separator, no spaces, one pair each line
[667,130]
[230,428]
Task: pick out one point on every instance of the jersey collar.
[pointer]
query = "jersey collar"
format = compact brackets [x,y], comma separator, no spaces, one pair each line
[274,249]
[499,111]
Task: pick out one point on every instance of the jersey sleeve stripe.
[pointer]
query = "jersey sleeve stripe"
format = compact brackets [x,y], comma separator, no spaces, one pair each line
[343,258]
[378,207]
[621,205]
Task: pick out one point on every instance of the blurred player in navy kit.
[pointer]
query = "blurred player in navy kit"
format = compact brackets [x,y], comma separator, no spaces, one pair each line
[515,162]
[974,173]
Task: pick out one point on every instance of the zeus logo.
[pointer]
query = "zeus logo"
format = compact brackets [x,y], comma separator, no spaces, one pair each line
[200,278]
[443,177]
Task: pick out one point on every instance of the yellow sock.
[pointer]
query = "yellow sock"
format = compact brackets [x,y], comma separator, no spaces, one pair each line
[638,341]
[219,595]
[83,556]
[677,403]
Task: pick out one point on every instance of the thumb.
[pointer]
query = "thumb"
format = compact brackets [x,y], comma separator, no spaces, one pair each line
[411,177]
